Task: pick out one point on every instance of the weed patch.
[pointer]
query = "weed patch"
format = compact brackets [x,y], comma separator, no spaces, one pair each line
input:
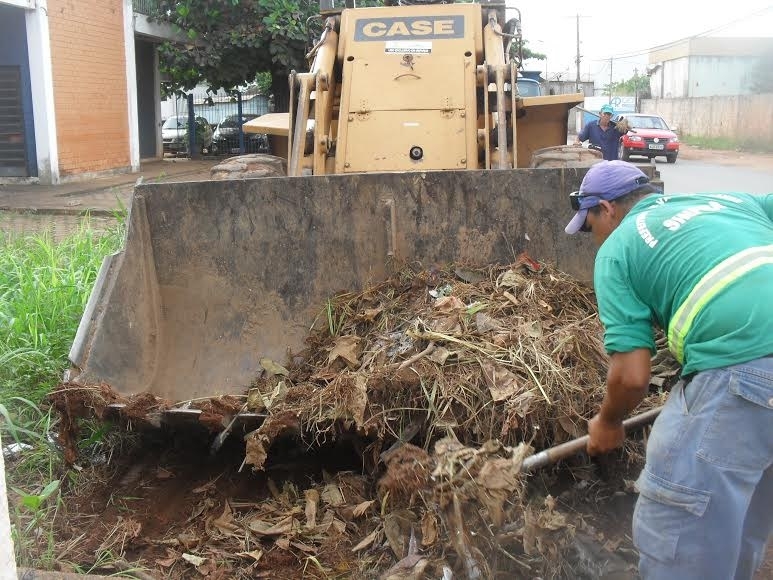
[44,287]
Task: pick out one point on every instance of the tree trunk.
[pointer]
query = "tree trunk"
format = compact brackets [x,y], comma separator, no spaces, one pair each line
[280,87]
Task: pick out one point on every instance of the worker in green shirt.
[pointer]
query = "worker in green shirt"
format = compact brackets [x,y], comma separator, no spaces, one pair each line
[701,268]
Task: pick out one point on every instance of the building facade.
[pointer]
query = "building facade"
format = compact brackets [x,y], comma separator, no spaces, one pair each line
[704,66]
[80,89]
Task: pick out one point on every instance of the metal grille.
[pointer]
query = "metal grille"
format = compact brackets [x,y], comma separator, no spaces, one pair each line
[146,7]
[13,157]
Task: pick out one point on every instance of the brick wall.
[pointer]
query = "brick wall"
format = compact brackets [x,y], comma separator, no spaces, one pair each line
[89,77]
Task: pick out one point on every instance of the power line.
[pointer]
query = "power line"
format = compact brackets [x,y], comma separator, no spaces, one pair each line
[644,52]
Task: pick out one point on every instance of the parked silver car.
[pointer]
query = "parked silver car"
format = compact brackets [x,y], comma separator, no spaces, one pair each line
[174,133]
[226,137]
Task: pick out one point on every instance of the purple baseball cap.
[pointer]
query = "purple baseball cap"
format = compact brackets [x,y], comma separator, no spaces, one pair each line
[606,180]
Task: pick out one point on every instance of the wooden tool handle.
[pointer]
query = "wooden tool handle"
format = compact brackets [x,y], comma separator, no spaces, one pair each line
[564,450]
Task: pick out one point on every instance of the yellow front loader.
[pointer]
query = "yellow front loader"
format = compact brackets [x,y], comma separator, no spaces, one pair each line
[408,140]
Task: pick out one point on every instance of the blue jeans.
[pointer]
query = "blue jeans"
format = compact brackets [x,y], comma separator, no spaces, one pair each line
[705,507]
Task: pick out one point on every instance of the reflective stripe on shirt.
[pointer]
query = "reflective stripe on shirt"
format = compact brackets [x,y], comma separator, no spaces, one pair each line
[720,276]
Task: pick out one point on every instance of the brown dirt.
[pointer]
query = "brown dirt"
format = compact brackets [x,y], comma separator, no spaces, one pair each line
[757,160]
[169,500]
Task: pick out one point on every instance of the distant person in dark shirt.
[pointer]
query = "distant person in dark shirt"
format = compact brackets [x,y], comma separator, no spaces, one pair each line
[603,133]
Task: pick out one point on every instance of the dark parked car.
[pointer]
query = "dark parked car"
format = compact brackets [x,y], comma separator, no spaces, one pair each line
[226,137]
[650,138]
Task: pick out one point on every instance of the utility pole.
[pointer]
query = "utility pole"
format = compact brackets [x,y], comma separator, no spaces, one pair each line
[578,53]
[636,89]
[610,80]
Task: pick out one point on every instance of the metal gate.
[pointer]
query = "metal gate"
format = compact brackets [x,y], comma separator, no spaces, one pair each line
[13,152]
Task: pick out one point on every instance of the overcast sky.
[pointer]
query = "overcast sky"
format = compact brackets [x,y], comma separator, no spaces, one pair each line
[626,31]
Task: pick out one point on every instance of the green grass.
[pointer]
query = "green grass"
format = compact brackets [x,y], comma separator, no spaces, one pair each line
[44,287]
[727,144]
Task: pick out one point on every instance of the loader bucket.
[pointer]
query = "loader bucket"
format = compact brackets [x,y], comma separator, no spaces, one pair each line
[217,275]
[543,124]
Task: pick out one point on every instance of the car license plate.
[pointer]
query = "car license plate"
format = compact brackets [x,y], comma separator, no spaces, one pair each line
[657,146]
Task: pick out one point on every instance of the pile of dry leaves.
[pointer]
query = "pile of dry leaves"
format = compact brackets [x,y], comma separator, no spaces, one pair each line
[444,381]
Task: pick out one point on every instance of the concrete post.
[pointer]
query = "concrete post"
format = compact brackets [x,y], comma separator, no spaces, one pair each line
[7,559]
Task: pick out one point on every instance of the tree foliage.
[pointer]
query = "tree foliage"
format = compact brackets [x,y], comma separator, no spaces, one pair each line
[533,54]
[229,42]
[636,85]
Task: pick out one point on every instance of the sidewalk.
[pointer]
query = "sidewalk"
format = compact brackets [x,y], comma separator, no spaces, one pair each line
[100,196]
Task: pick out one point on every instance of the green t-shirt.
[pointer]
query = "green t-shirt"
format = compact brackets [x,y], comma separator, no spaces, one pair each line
[662,248]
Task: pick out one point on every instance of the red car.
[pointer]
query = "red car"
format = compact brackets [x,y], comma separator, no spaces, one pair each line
[650,138]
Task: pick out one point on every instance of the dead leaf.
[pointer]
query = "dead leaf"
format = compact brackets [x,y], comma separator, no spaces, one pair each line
[332,495]
[188,540]
[283,526]
[283,543]
[440,355]
[255,554]
[255,452]
[501,382]
[485,323]
[312,499]
[469,276]
[509,279]
[397,527]
[366,541]
[568,425]
[225,523]
[369,314]
[166,562]
[449,304]
[411,567]
[521,403]
[531,329]
[428,529]
[200,508]
[304,547]
[511,298]
[277,395]
[209,486]
[446,324]
[358,400]
[255,400]
[325,374]
[348,348]
[192,559]
[273,368]
[362,508]
[327,521]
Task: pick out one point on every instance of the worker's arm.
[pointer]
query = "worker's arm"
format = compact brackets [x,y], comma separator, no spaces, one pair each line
[628,380]
[582,136]
[629,339]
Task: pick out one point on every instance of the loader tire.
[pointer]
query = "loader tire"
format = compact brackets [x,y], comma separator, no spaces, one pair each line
[565,156]
[249,166]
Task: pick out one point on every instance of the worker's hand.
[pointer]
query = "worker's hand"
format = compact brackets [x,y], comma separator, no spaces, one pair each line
[622,125]
[603,436]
